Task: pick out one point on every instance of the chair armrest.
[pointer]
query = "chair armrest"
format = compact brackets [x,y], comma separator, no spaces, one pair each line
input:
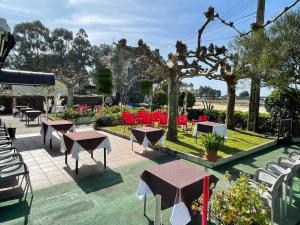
[15,164]
[276,168]
[294,155]
[13,155]
[263,176]
[286,162]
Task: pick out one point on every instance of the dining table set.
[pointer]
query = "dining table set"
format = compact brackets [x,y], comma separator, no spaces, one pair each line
[27,113]
[72,142]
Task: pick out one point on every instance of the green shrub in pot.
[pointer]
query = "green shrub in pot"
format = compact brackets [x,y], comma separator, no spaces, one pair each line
[211,142]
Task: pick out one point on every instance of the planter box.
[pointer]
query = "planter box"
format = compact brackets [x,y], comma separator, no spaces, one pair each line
[202,161]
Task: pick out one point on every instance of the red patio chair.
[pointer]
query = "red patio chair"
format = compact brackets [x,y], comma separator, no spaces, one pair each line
[163,122]
[182,120]
[203,118]
[128,119]
[147,119]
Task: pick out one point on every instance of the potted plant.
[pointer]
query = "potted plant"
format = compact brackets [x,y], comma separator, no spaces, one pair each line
[238,203]
[11,131]
[211,142]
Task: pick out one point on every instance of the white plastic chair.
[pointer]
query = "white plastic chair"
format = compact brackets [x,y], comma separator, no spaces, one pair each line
[274,190]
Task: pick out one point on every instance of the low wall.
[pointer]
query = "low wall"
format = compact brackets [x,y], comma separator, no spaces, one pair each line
[36,101]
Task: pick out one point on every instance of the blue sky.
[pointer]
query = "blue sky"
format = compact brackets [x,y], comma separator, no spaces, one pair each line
[159,22]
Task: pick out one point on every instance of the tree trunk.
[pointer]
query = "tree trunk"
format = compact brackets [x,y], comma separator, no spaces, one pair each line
[254,104]
[231,87]
[173,108]
[70,96]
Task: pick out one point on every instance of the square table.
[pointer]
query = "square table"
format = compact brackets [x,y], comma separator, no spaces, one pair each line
[84,140]
[17,108]
[210,127]
[32,115]
[147,135]
[59,126]
[178,184]
[23,110]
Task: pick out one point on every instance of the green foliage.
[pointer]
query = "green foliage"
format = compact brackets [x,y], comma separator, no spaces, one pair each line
[208,92]
[135,97]
[191,99]
[160,99]
[244,94]
[108,116]
[283,103]
[104,81]
[146,87]
[280,60]
[211,142]
[71,114]
[240,203]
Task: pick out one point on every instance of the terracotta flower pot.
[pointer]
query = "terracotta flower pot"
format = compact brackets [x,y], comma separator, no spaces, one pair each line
[211,155]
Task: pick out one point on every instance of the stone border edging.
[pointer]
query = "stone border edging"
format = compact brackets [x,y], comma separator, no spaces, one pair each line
[198,160]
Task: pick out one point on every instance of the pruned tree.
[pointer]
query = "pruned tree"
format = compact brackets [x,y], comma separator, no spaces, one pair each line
[212,62]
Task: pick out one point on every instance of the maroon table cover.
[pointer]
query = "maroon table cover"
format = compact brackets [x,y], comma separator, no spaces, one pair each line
[23,110]
[176,182]
[206,127]
[60,125]
[153,134]
[32,114]
[89,140]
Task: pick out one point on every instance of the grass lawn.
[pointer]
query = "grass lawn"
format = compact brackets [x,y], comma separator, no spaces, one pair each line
[239,140]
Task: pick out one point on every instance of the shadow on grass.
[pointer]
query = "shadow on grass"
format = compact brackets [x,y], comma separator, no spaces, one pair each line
[252,134]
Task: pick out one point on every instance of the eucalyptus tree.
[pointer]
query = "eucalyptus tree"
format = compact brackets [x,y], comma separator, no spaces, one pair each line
[70,58]
[281,62]
[32,44]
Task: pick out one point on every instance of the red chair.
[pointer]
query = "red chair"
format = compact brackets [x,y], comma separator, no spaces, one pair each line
[140,115]
[156,116]
[203,118]
[182,120]
[128,119]
[163,122]
[147,119]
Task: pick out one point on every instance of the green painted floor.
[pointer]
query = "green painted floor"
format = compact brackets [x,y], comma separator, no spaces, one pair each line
[109,198]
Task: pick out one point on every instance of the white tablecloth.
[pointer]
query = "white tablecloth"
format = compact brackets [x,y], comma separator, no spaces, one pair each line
[76,148]
[180,213]
[218,129]
[146,142]
[50,130]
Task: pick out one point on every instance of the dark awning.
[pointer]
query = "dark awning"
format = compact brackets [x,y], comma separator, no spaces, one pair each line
[29,78]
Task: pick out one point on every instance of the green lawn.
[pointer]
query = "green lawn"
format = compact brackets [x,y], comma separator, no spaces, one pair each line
[239,140]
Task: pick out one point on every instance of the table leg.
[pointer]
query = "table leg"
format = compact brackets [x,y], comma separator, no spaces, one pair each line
[105,157]
[66,157]
[51,143]
[157,214]
[44,137]
[76,166]
[145,204]
[92,154]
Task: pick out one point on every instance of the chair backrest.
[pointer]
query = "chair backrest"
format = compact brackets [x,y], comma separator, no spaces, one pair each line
[182,119]
[276,187]
[203,118]
[163,119]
